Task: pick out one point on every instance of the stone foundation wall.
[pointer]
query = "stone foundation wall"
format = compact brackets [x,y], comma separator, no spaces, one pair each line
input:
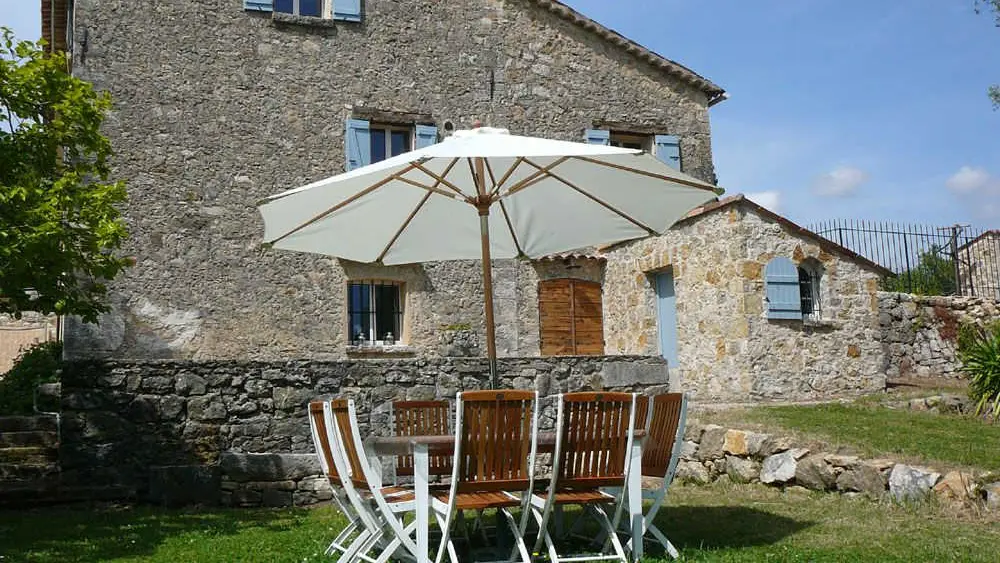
[188,431]
[919,333]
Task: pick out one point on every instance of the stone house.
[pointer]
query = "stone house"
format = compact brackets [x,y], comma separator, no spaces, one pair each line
[979,266]
[220,103]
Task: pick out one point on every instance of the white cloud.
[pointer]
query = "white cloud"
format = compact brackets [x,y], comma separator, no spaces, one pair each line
[978,190]
[969,180]
[840,182]
[770,199]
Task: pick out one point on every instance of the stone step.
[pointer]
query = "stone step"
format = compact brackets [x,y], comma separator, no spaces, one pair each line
[28,456]
[33,493]
[28,424]
[36,438]
[19,472]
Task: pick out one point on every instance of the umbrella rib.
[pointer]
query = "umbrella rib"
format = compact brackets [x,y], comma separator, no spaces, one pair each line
[510,227]
[645,173]
[496,188]
[489,170]
[428,188]
[536,176]
[405,224]
[347,201]
[475,178]
[441,179]
[595,199]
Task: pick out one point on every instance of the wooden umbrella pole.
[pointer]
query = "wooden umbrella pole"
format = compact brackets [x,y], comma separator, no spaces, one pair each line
[483,205]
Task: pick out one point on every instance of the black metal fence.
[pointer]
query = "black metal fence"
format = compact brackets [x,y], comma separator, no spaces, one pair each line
[928,260]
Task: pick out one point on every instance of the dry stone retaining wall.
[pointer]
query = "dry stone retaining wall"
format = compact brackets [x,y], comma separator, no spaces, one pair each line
[184,431]
[919,333]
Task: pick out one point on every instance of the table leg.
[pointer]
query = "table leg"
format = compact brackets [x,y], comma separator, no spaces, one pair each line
[635,499]
[421,477]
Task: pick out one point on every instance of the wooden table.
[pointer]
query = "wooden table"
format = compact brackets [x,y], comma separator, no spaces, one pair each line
[421,447]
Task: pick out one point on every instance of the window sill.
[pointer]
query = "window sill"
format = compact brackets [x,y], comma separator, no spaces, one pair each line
[307,21]
[381,350]
[821,323]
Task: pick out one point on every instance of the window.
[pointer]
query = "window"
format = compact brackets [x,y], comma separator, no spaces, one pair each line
[389,140]
[365,142]
[570,318]
[809,295]
[793,292]
[667,148]
[375,311]
[345,10]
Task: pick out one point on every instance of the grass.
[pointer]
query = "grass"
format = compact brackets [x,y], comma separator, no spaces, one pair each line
[873,430]
[716,523]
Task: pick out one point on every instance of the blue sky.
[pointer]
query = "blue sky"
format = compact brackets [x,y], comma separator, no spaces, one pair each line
[839,108]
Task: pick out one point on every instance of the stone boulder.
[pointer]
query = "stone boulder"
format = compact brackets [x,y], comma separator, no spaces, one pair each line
[865,478]
[735,442]
[780,468]
[908,483]
[815,473]
[692,472]
[956,485]
[712,441]
[742,470]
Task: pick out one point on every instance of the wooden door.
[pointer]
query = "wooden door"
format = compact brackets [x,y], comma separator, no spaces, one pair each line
[571,320]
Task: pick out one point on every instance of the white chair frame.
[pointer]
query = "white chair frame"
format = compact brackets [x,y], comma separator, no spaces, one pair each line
[382,519]
[444,512]
[342,542]
[543,510]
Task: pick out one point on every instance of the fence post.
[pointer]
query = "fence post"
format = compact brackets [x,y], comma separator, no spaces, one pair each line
[906,255]
[954,258]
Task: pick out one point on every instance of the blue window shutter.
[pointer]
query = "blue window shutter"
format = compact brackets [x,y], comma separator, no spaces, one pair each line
[782,280]
[284,6]
[349,10]
[668,150]
[258,5]
[598,136]
[309,8]
[426,135]
[357,144]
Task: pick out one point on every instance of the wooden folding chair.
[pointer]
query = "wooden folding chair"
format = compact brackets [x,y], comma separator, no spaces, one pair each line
[593,451]
[493,467]
[422,418]
[324,451]
[381,509]
[665,435]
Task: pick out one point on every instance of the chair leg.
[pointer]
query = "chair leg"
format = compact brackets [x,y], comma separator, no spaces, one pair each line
[543,535]
[669,547]
[612,536]
[363,541]
[518,539]
[450,546]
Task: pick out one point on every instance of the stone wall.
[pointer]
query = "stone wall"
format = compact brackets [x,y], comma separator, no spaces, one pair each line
[168,430]
[919,333]
[216,107]
[728,349]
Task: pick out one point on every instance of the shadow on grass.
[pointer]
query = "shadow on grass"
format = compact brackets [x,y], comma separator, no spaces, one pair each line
[722,527]
[103,533]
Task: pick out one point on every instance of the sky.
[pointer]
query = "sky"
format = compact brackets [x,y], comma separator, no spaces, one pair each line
[867,109]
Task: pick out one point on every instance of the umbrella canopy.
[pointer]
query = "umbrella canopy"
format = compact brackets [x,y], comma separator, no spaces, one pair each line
[483,194]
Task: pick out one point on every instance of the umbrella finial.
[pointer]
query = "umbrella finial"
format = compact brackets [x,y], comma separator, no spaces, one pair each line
[477,124]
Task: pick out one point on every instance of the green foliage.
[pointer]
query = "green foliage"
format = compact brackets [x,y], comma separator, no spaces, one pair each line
[979,352]
[59,222]
[36,365]
[994,5]
[934,274]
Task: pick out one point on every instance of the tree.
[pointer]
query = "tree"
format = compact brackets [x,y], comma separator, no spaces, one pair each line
[934,274]
[59,224]
[994,91]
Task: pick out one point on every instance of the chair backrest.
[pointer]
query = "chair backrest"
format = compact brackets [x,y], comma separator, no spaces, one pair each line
[495,438]
[664,432]
[342,417]
[422,418]
[321,441]
[642,412]
[594,439]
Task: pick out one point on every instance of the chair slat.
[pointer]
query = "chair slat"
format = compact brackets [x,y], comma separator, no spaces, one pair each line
[593,439]
[662,432]
[421,418]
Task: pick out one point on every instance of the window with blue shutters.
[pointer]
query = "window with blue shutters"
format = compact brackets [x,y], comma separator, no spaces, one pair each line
[366,143]
[667,148]
[784,299]
[345,10]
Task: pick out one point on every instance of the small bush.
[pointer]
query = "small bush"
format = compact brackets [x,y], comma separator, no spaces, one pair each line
[36,365]
[979,352]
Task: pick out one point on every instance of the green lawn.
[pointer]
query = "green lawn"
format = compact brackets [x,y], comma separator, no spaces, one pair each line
[715,523]
[873,430]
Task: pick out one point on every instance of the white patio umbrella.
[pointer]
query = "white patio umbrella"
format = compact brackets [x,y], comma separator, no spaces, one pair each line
[483,194]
